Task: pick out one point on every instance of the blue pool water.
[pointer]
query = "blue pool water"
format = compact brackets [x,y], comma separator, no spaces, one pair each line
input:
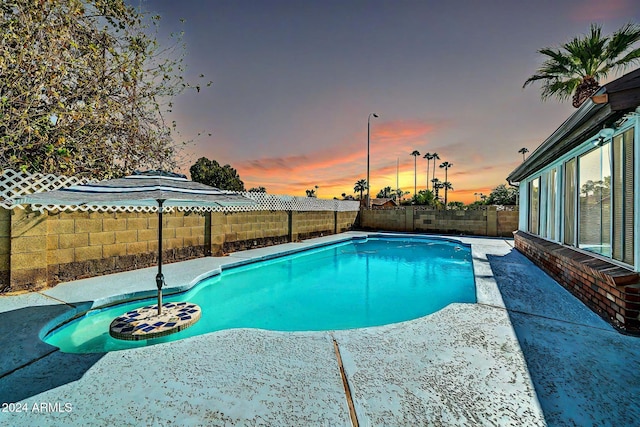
[355,284]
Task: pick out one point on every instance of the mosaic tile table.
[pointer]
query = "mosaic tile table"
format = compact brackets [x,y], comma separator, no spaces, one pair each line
[144,323]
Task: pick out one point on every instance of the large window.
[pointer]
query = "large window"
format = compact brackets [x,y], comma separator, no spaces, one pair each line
[570,202]
[551,204]
[622,183]
[534,206]
[588,200]
[594,201]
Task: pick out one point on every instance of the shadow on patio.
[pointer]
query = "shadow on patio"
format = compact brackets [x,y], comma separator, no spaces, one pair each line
[584,371]
[29,366]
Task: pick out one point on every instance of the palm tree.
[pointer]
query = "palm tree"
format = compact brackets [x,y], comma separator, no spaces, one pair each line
[447,186]
[446,166]
[437,185]
[385,193]
[577,67]
[523,150]
[428,156]
[434,157]
[398,195]
[434,184]
[361,186]
[415,155]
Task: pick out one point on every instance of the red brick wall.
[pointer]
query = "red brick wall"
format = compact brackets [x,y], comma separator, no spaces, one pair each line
[608,289]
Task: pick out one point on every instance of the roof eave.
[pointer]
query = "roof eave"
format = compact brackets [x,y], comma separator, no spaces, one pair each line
[609,103]
[585,112]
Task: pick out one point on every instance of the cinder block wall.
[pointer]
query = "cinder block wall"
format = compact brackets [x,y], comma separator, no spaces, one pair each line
[452,222]
[488,222]
[5,247]
[608,289]
[244,230]
[312,224]
[346,221]
[82,244]
[43,249]
[386,219]
[507,223]
[28,249]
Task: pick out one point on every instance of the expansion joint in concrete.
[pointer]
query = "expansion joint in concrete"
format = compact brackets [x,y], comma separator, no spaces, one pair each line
[56,299]
[345,383]
[28,363]
[524,313]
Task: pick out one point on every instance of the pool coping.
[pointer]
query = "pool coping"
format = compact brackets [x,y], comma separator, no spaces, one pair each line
[364,351]
[240,259]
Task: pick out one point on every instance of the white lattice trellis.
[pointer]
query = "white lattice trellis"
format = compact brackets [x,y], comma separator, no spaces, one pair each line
[16,184]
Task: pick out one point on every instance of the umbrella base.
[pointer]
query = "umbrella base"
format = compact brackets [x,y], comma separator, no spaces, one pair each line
[144,323]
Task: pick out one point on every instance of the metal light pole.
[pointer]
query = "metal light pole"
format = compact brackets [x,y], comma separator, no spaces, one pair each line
[368,136]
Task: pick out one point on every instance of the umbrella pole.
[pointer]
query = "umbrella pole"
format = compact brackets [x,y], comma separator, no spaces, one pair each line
[159,276]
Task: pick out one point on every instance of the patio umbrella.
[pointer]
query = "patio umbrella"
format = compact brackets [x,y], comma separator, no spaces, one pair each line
[150,188]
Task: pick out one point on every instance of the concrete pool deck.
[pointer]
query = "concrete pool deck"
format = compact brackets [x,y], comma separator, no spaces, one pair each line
[528,353]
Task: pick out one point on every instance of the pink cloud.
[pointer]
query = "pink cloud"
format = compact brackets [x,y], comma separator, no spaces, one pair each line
[405,131]
[337,167]
[598,10]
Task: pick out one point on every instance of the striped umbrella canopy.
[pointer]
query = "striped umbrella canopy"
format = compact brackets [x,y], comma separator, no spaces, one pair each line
[150,188]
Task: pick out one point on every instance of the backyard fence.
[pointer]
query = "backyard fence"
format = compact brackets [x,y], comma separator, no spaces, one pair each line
[494,221]
[44,245]
[15,184]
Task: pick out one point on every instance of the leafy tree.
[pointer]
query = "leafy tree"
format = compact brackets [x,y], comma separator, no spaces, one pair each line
[456,205]
[598,188]
[360,187]
[385,193]
[259,189]
[399,193]
[84,88]
[311,193]
[577,67]
[425,198]
[211,173]
[476,204]
[501,195]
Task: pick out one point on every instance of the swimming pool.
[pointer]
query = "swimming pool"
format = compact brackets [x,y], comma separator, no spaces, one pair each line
[353,284]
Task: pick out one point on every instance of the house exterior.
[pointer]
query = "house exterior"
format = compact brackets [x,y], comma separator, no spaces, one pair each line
[383,203]
[579,195]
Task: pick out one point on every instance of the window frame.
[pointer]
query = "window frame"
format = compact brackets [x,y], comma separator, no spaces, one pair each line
[561,165]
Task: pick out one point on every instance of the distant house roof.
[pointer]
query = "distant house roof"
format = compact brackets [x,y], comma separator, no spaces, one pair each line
[610,103]
[382,202]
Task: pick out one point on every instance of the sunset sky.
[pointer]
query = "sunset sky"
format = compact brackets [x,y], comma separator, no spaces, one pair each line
[294,82]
